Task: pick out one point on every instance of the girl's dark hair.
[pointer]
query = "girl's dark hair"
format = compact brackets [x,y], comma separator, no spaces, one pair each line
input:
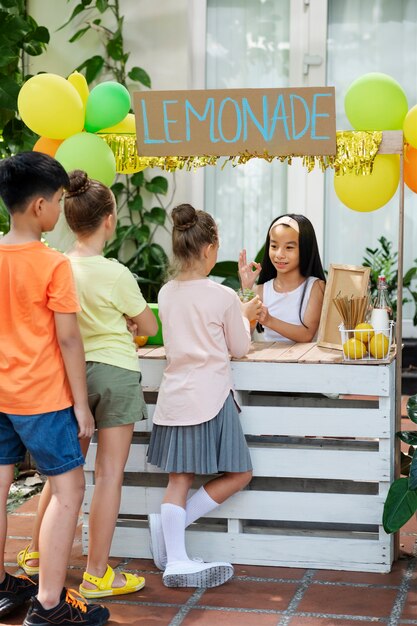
[87,202]
[310,262]
[192,230]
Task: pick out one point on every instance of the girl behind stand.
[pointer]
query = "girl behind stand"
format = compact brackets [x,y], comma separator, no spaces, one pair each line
[291,280]
[108,293]
[196,423]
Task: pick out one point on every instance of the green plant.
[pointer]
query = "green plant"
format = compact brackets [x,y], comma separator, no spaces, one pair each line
[382,260]
[19,35]
[401,502]
[133,242]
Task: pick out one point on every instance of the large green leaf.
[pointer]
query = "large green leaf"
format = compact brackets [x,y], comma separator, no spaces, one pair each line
[224,269]
[156,215]
[408,436]
[412,478]
[412,408]
[139,75]
[158,184]
[400,505]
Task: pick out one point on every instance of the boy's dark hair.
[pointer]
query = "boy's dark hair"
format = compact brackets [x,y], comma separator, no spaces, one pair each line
[310,262]
[28,175]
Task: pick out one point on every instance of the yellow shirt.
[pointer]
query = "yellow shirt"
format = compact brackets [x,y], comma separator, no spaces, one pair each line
[107,291]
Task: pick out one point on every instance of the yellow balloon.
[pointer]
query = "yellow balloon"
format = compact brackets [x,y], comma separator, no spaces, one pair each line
[126,126]
[410,127]
[50,106]
[78,81]
[366,193]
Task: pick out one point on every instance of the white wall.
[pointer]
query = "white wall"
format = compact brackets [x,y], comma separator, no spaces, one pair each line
[155,34]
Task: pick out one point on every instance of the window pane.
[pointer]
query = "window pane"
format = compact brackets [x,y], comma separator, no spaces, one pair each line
[371,36]
[247,47]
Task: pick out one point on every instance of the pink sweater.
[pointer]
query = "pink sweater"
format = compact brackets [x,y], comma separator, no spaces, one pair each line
[202,324]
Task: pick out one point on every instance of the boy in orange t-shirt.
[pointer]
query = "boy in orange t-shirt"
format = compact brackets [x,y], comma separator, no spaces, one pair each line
[43,393]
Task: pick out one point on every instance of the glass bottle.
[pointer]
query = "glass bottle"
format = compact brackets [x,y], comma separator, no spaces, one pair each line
[381,308]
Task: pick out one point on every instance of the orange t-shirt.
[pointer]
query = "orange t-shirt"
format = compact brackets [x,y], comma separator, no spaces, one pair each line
[35,282]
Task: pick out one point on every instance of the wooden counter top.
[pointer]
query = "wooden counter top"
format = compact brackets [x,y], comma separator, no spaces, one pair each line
[282,352]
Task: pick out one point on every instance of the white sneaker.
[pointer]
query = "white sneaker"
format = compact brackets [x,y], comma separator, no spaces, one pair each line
[157,541]
[195,574]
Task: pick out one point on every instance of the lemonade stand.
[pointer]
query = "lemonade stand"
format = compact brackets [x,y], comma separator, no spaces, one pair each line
[320,425]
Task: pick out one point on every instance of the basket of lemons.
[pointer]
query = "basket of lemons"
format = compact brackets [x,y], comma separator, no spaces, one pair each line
[366,343]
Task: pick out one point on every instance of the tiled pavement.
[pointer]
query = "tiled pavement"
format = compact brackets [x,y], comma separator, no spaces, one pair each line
[257,596]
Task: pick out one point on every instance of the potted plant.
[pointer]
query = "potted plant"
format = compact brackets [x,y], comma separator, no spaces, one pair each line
[401,502]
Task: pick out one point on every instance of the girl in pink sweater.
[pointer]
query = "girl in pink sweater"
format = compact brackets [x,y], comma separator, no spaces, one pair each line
[196,422]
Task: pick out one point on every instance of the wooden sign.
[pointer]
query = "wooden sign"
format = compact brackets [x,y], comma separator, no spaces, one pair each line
[228,122]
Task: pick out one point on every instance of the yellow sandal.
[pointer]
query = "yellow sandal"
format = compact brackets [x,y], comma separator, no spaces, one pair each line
[23,556]
[104,585]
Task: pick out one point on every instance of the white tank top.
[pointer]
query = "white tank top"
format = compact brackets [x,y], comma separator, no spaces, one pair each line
[285,306]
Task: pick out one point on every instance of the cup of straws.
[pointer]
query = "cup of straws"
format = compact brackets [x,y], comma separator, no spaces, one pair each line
[361,340]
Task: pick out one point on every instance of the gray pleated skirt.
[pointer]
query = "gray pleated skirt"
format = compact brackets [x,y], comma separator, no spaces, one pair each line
[218,445]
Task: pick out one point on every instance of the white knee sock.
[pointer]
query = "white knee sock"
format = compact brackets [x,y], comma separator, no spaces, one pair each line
[198,505]
[173,525]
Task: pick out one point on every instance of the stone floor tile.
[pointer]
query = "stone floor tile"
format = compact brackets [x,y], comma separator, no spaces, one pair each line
[410,605]
[407,545]
[206,617]
[269,572]
[250,595]
[141,565]
[323,621]
[411,525]
[135,615]
[369,602]
[393,578]
[13,546]
[20,526]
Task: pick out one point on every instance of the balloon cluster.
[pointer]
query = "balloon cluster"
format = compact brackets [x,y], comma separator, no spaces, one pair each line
[374,102]
[67,117]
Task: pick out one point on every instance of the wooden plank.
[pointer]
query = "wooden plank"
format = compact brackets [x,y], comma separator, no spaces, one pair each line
[305,421]
[296,351]
[272,505]
[392,142]
[317,354]
[266,549]
[315,421]
[269,353]
[278,461]
[319,378]
[156,353]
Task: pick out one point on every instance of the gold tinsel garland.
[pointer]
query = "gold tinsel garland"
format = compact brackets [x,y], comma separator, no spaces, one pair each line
[355,153]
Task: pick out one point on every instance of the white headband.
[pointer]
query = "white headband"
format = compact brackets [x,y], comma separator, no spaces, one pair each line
[288,221]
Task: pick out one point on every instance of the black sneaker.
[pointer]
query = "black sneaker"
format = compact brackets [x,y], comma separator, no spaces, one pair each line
[15,591]
[71,610]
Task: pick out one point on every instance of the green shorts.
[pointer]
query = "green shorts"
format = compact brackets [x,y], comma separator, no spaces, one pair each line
[115,395]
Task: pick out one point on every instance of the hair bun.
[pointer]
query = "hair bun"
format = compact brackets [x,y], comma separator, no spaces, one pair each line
[184,217]
[79,183]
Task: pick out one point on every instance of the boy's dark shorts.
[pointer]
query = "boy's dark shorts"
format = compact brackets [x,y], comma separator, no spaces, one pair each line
[51,438]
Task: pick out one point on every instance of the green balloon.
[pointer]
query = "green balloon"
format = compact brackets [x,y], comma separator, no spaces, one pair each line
[376,101]
[108,104]
[88,152]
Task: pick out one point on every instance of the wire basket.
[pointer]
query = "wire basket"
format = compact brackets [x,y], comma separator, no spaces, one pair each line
[367,344]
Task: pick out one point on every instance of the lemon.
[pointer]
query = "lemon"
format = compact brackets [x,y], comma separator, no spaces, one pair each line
[140,340]
[354,349]
[379,345]
[364,332]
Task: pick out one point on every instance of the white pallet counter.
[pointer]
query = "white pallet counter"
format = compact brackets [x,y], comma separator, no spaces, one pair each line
[322,465]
